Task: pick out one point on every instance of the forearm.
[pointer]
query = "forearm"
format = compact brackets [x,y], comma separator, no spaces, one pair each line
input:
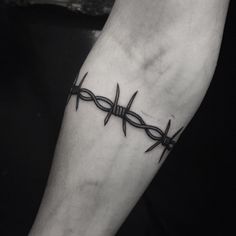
[98,174]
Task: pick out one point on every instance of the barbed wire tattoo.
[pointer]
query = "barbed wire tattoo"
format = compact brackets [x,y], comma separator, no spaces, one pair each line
[113,108]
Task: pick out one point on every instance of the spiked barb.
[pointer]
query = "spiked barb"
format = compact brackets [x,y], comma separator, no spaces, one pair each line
[75,90]
[114,106]
[78,90]
[70,93]
[126,111]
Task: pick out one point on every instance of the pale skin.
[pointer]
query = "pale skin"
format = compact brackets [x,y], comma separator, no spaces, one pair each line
[165,49]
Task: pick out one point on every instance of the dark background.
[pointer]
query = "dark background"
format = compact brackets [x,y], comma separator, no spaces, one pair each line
[41,50]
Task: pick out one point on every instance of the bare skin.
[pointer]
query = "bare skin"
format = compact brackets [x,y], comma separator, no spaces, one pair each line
[165,49]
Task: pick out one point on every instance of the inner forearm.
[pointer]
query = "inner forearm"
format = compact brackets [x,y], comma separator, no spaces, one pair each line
[98,173]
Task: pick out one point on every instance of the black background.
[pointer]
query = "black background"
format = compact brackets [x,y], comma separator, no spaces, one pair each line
[41,49]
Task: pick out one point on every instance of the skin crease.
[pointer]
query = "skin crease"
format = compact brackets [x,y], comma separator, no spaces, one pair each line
[165,49]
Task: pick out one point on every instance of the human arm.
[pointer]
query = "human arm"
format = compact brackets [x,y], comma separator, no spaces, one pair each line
[167,50]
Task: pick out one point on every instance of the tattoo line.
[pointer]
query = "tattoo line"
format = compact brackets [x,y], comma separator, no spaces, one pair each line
[112,108]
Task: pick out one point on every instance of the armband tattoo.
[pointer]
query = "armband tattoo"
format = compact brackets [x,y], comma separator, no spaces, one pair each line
[113,108]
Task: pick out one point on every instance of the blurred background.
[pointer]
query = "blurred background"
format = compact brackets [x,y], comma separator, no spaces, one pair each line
[42,46]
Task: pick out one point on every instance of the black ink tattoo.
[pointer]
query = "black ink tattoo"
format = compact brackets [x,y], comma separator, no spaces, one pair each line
[112,108]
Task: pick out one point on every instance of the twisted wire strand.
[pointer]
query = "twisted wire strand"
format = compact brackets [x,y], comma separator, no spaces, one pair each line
[112,108]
